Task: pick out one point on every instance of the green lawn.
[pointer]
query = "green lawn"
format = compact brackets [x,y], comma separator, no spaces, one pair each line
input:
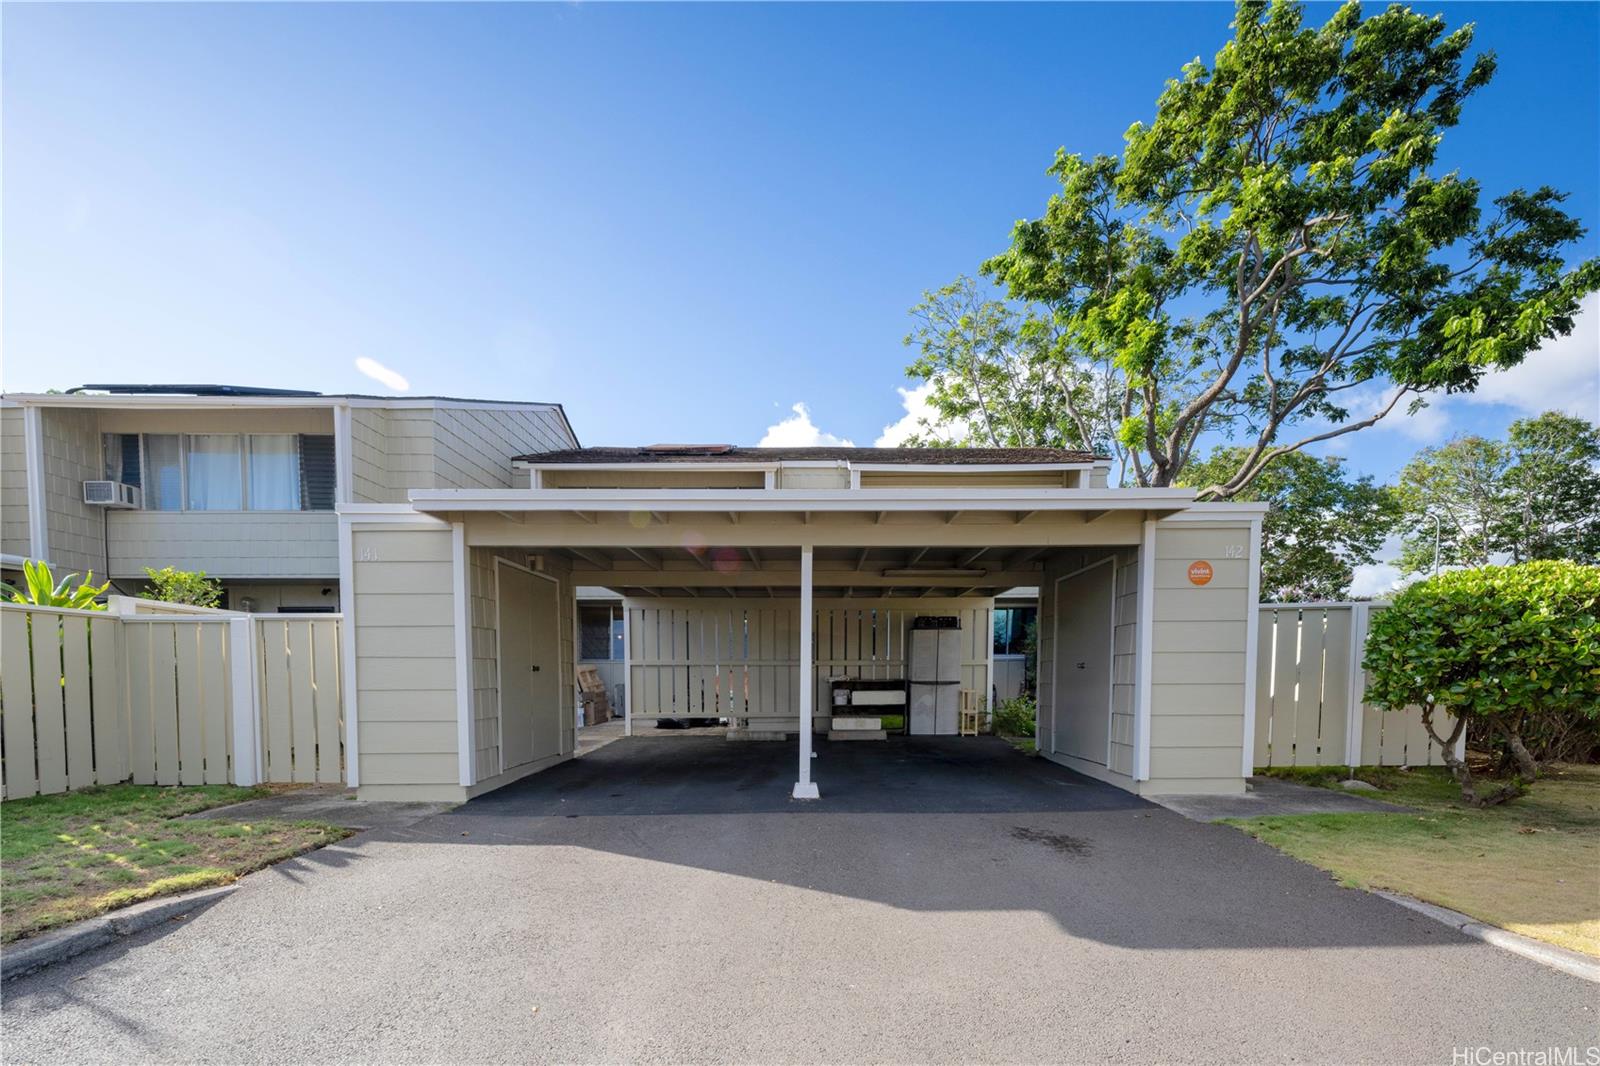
[1531,866]
[82,853]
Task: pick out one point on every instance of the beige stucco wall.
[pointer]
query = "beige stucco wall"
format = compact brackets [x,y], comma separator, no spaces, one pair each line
[405,647]
[1199,657]
[13,483]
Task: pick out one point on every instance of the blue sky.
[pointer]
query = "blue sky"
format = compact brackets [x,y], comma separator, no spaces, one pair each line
[678,221]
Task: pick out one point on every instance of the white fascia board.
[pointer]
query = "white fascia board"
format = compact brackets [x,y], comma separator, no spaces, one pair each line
[963,498]
[160,402]
[173,401]
[1218,512]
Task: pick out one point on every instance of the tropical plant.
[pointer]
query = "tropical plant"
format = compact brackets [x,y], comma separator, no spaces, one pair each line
[42,590]
[1508,648]
[1015,717]
[1275,258]
[190,587]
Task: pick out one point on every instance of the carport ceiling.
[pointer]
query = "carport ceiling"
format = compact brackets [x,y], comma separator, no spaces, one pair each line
[721,572]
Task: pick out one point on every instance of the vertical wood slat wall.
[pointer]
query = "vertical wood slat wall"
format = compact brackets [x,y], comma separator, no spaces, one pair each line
[302,716]
[92,698]
[743,661]
[1307,655]
[61,724]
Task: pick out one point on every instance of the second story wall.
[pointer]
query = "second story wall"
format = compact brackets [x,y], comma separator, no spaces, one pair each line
[396,449]
[13,483]
[75,530]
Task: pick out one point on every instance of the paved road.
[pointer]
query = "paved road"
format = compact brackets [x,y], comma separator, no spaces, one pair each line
[661,900]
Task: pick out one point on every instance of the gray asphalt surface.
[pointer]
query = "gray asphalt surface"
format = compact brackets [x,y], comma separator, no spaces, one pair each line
[662,900]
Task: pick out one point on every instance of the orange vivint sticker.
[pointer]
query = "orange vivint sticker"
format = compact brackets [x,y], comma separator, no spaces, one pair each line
[1199,572]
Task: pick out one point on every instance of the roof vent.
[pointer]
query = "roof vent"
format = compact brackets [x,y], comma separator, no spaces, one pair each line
[687,449]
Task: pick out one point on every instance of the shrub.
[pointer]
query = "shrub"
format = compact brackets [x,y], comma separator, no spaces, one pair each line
[190,587]
[1015,717]
[1512,649]
[44,591]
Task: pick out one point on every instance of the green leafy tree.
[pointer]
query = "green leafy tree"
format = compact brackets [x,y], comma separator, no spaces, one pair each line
[1554,486]
[1455,496]
[1276,258]
[1322,523]
[1535,495]
[997,382]
[190,587]
[1503,647]
[41,589]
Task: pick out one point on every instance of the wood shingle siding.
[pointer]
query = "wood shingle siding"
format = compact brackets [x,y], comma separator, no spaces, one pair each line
[13,483]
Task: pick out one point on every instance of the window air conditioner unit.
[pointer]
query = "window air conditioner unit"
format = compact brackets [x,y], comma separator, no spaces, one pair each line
[112,494]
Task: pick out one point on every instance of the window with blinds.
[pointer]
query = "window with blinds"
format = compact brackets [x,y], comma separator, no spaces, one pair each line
[225,471]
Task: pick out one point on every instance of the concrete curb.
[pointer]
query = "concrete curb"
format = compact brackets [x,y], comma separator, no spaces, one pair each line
[1564,959]
[59,945]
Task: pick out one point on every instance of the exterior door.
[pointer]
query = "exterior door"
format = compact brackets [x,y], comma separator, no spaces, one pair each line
[1084,603]
[530,673]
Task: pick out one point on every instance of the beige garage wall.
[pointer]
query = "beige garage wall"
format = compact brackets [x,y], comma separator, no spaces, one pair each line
[1199,661]
[405,645]
[1124,651]
[483,617]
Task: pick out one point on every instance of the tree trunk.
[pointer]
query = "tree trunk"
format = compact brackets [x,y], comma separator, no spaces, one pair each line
[1458,767]
[1527,768]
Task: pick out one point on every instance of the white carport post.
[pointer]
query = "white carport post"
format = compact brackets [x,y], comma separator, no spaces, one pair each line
[804,787]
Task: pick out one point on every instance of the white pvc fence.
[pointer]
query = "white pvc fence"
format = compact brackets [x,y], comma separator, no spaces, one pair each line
[1309,688]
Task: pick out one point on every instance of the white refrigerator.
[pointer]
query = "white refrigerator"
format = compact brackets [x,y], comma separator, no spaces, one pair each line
[934,674]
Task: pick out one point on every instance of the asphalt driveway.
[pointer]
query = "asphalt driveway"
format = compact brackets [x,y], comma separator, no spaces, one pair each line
[662,899]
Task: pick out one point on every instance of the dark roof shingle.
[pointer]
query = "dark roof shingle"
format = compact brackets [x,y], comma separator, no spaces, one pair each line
[690,453]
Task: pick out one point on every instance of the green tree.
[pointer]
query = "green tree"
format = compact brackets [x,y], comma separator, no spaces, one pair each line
[1276,257]
[1535,495]
[1501,647]
[43,590]
[1454,496]
[1554,486]
[190,587]
[1322,523]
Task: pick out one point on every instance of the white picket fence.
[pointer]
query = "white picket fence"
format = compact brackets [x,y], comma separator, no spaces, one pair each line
[1309,688]
[158,694]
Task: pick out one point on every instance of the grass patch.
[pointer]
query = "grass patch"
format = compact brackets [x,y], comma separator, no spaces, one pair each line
[1531,866]
[79,854]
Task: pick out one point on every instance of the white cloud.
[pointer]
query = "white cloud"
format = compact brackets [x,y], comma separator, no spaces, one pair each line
[1563,375]
[1374,579]
[382,374]
[917,408]
[798,431]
